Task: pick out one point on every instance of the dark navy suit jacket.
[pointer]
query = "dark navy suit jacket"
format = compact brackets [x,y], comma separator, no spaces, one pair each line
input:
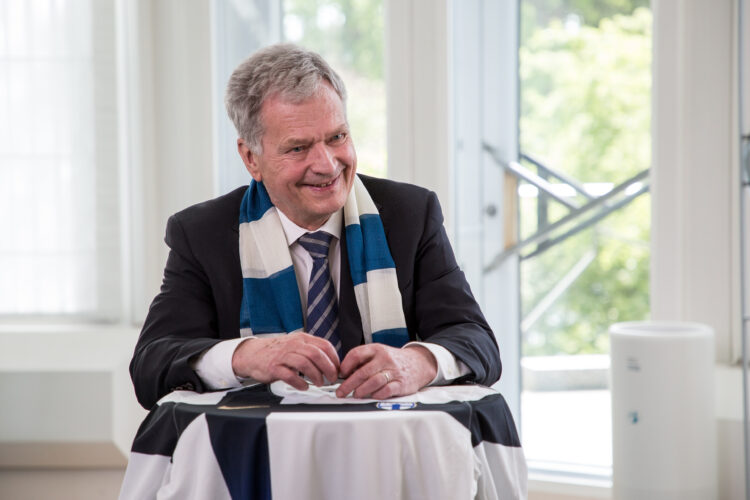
[199,301]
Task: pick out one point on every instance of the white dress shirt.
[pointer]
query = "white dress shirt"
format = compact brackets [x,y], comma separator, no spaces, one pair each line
[214,366]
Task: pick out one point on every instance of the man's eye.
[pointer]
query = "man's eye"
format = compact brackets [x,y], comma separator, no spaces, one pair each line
[297,149]
[338,138]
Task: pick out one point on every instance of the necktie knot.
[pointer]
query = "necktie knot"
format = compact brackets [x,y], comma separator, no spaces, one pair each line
[316,244]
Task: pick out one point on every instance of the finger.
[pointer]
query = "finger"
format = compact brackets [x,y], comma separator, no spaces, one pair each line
[355,358]
[323,344]
[324,357]
[376,382]
[389,390]
[291,377]
[300,363]
[354,373]
[363,381]
[332,370]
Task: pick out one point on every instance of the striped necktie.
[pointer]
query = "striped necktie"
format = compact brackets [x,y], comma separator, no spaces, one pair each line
[322,309]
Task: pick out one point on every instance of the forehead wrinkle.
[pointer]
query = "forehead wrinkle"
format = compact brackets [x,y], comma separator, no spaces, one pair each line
[297,123]
[305,138]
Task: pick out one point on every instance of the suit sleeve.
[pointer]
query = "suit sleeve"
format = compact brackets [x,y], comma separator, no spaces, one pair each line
[446,312]
[180,325]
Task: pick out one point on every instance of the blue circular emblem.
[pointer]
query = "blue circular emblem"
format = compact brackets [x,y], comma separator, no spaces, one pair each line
[395,406]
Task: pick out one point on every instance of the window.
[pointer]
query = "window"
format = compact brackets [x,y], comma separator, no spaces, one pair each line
[349,35]
[59,199]
[551,182]
[584,133]
[239,29]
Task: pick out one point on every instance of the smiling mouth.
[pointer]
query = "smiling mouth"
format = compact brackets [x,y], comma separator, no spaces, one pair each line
[326,184]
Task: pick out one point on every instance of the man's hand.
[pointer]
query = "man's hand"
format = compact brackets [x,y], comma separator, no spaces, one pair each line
[285,358]
[381,372]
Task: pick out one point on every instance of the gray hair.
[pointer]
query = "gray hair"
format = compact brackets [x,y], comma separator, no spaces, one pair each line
[286,70]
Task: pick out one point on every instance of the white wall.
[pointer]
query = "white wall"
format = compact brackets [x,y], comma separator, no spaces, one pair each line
[69,411]
[167,113]
[418,48]
[695,202]
[79,375]
[695,175]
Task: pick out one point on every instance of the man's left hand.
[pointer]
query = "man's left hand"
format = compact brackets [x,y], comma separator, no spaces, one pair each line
[379,371]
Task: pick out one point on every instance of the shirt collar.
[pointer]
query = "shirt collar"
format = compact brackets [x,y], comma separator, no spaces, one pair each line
[293,232]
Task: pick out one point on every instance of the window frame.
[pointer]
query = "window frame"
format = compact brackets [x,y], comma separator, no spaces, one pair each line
[423,118]
[694,278]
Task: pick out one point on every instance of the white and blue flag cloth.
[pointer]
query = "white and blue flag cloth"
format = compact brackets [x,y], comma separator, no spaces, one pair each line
[270,301]
[262,442]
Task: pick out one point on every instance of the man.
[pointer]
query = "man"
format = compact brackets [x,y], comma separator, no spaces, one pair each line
[311,273]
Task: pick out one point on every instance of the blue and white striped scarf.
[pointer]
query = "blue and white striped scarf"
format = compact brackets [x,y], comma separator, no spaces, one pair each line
[270,300]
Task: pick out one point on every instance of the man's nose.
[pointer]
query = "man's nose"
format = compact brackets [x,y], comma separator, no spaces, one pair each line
[322,159]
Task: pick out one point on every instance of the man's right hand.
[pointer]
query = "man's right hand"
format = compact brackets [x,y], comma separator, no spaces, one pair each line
[287,357]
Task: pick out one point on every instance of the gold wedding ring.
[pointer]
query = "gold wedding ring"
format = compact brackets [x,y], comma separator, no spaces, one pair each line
[387,377]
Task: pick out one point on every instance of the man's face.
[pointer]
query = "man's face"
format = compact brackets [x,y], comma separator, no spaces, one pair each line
[308,161]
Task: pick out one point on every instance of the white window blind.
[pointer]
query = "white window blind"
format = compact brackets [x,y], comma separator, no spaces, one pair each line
[59,233]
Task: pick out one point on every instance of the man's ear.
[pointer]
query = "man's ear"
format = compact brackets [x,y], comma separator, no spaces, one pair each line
[249,158]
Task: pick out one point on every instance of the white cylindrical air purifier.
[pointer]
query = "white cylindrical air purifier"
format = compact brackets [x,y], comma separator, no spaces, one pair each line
[663,424]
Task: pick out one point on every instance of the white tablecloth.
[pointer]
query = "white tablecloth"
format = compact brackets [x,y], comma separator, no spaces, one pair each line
[455,442]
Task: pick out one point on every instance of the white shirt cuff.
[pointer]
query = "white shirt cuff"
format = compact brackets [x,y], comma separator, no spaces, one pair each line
[448,367]
[214,366]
